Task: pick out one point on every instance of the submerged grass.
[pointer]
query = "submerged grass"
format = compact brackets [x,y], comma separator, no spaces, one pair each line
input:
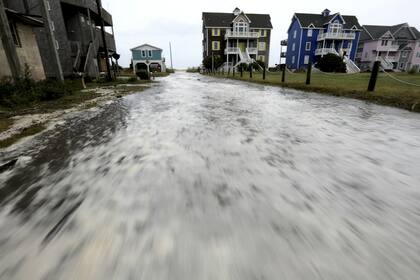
[29,131]
[388,91]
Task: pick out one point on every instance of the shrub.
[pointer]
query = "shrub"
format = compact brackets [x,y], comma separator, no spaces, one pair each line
[332,63]
[208,62]
[414,70]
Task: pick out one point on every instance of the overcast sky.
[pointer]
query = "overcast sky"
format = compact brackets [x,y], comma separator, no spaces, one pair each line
[179,21]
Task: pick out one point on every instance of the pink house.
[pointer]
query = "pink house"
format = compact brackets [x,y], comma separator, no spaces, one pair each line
[396,47]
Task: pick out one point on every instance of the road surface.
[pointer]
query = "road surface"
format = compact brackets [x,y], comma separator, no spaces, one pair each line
[199,178]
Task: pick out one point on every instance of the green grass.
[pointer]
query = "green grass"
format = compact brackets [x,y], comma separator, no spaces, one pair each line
[5,124]
[388,91]
[29,131]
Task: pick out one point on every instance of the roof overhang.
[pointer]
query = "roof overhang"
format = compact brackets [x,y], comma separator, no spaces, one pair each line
[32,20]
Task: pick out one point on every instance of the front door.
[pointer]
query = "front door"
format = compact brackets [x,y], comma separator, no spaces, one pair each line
[242,46]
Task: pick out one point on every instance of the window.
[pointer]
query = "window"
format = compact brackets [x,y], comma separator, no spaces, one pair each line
[294,47]
[404,54]
[261,46]
[310,31]
[384,43]
[216,46]
[402,65]
[15,34]
[149,53]
[306,59]
[294,34]
[418,54]
[366,54]
[293,59]
[335,27]
[215,32]
[263,33]
[241,26]
[143,53]
[261,58]
[308,46]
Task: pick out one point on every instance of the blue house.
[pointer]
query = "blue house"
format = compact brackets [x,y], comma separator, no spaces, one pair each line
[148,57]
[311,36]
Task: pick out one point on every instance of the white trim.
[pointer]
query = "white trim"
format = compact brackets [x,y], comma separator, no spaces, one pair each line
[300,47]
[242,13]
[144,45]
[337,14]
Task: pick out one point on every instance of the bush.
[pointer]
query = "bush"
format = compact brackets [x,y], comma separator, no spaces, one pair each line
[208,62]
[332,63]
[414,70]
[170,71]
[193,70]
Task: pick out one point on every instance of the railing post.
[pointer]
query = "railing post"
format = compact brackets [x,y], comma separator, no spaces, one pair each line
[264,72]
[250,70]
[308,73]
[283,73]
[374,76]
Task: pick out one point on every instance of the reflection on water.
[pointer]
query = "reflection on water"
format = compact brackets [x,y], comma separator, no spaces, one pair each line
[198,178]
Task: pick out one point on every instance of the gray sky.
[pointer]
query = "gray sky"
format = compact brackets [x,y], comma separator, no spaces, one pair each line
[159,21]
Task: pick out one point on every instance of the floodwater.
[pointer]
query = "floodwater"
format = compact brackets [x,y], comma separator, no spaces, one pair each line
[198,178]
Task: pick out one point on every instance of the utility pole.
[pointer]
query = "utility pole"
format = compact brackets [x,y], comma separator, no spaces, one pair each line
[51,40]
[212,62]
[170,53]
[8,44]
[108,67]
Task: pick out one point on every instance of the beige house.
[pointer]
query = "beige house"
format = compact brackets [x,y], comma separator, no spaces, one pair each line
[21,27]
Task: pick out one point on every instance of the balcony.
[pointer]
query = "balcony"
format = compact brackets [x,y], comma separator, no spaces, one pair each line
[390,48]
[252,51]
[325,51]
[110,41]
[91,5]
[241,35]
[232,51]
[336,36]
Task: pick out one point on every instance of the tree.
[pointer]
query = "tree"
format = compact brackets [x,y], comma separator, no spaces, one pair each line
[332,63]
[208,62]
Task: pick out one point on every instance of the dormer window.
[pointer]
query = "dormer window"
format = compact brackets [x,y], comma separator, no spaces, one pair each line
[335,27]
[240,26]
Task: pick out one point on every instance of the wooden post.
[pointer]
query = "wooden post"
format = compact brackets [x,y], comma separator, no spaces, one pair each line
[101,20]
[283,73]
[51,41]
[223,71]
[250,70]
[233,72]
[308,73]
[228,71]
[264,72]
[374,76]
[242,71]
[8,44]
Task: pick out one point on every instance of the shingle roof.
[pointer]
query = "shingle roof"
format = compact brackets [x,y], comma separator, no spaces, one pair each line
[399,31]
[319,20]
[225,20]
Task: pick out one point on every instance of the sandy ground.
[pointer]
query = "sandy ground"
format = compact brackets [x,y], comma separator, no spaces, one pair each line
[108,94]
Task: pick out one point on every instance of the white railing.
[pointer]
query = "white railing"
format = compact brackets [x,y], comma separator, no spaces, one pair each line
[232,50]
[324,51]
[245,34]
[391,48]
[385,63]
[351,66]
[253,50]
[337,36]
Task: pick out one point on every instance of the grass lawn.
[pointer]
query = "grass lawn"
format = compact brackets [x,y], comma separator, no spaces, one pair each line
[388,91]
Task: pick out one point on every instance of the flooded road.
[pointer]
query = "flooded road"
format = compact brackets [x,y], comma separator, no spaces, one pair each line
[198,178]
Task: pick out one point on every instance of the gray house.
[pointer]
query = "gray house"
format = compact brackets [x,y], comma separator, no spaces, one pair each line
[75,25]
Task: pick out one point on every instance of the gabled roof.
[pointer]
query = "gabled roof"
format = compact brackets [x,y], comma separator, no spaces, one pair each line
[145,45]
[226,19]
[319,20]
[399,31]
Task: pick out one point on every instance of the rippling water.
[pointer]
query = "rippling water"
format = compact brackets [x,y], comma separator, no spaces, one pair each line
[198,178]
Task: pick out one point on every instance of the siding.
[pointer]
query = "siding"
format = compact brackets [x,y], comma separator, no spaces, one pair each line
[156,55]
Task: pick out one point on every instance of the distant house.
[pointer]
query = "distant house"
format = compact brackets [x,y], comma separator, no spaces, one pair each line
[148,57]
[311,36]
[397,47]
[237,37]
[22,29]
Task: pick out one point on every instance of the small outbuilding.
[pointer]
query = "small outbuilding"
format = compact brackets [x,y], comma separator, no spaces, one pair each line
[148,58]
